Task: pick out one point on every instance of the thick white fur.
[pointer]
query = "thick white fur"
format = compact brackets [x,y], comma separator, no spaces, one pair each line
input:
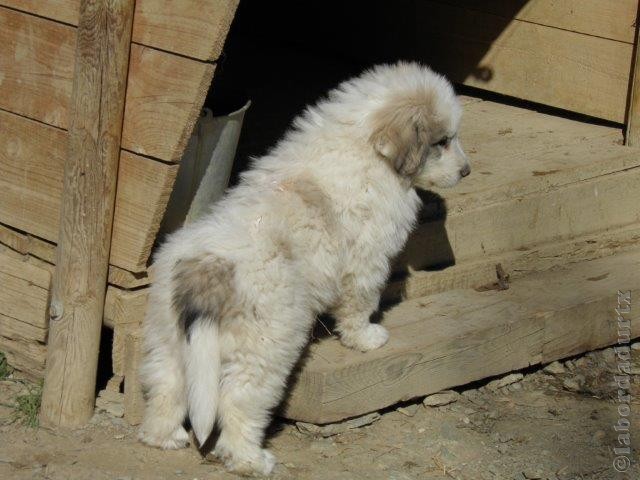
[311,228]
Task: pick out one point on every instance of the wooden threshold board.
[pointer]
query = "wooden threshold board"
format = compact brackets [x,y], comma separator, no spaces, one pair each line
[460,336]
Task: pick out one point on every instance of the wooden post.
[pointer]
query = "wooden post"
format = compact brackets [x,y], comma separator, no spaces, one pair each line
[84,240]
[632,133]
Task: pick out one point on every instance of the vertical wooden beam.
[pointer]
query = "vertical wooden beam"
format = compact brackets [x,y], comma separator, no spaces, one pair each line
[90,172]
[632,133]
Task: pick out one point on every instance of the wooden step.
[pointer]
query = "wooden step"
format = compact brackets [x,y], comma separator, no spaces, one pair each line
[536,180]
[460,336]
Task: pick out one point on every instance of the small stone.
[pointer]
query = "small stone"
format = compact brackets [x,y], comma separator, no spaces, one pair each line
[598,437]
[409,410]
[120,436]
[572,385]
[555,368]
[421,430]
[570,365]
[466,420]
[440,399]
[503,382]
[635,346]
[469,411]
[515,387]
[178,472]
[533,474]
[289,465]
[506,437]
[582,362]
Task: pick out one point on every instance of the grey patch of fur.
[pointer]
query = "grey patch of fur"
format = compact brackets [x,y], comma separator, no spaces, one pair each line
[202,289]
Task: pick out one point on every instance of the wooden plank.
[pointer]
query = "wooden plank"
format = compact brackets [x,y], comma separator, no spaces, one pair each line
[632,132]
[555,67]
[453,338]
[88,203]
[31,177]
[125,307]
[516,264]
[613,20]
[164,98]
[26,357]
[165,92]
[133,396]
[15,329]
[194,28]
[40,249]
[25,291]
[585,207]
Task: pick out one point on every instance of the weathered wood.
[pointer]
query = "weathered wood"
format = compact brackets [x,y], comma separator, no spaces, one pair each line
[165,92]
[31,179]
[516,264]
[15,329]
[632,132]
[88,201]
[125,307]
[24,291]
[164,99]
[133,398]
[577,209]
[577,72]
[613,20]
[453,338]
[26,357]
[40,249]
[194,28]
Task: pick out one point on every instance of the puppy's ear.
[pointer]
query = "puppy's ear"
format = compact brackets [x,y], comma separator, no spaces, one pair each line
[399,139]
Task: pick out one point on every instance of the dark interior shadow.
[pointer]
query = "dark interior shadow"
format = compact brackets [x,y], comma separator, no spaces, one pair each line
[284,55]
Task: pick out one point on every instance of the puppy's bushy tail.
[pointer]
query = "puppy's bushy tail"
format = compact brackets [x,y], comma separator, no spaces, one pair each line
[203,287]
[202,370]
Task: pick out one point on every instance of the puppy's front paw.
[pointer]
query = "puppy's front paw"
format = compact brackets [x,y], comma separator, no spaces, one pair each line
[368,338]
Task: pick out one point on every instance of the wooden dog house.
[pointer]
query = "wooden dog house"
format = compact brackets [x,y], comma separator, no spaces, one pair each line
[575,55]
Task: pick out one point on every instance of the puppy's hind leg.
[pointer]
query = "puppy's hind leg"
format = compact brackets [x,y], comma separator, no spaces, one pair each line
[253,382]
[162,375]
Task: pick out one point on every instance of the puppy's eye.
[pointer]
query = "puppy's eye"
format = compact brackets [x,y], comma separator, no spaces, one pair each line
[443,142]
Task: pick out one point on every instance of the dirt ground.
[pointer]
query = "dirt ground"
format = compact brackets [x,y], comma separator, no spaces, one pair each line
[556,423]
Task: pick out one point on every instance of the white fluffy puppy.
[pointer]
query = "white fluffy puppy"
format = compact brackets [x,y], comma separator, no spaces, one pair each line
[310,228]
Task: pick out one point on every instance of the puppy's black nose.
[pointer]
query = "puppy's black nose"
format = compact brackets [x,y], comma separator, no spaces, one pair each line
[466,170]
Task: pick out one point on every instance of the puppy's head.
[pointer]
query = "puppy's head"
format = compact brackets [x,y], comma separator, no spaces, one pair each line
[415,126]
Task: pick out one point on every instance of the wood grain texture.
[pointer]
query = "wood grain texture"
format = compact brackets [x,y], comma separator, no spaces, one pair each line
[585,207]
[31,178]
[125,307]
[39,249]
[453,338]
[632,131]
[194,28]
[165,92]
[164,98]
[25,291]
[15,329]
[555,67]
[26,357]
[516,264]
[86,214]
[133,397]
[607,19]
